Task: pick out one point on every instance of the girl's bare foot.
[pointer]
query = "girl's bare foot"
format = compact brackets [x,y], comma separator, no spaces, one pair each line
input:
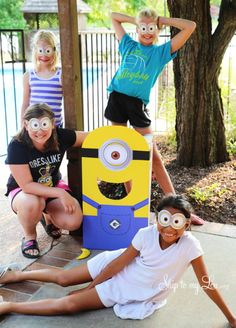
[4,307]
[7,275]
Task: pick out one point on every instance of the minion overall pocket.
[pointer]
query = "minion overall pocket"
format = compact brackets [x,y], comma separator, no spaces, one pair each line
[114,226]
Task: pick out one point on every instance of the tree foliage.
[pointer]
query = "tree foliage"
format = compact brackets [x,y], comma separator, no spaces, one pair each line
[99,17]
[11,15]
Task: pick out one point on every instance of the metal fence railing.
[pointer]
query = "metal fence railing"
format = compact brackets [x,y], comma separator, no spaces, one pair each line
[99,60]
[12,65]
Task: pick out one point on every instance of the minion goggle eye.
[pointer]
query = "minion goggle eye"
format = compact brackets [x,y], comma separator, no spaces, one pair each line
[147,28]
[44,124]
[48,51]
[115,154]
[176,221]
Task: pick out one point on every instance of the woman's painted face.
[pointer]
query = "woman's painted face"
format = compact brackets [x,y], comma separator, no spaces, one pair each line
[36,124]
[45,52]
[147,31]
[39,130]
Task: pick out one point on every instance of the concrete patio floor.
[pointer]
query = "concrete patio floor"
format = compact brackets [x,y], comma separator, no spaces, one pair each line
[188,306]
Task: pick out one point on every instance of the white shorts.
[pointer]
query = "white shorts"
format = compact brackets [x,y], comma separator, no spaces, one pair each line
[95,266]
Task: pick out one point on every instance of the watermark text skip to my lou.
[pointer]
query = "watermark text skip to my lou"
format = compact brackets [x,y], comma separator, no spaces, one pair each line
[168,283]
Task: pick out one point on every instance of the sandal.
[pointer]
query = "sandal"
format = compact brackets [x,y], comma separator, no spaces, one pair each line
[50,229]
[6,268]
[196,220]
[27,245]
[4,271]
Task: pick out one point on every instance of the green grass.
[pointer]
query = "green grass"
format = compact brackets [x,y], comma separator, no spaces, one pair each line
[205,194]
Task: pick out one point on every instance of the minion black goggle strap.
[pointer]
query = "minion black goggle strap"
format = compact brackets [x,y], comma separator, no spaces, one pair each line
[115,155]
[137,154]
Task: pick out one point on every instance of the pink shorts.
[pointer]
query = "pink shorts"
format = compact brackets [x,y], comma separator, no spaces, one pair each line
[61,184]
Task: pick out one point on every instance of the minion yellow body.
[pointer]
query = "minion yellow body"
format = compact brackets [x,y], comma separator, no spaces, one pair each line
[114,154]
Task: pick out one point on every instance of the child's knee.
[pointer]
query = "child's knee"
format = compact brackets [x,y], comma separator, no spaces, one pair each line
[62,278]
[74,224]
[32,204]
[156,158]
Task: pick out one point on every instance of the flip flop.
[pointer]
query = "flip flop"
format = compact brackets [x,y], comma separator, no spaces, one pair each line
[6,268]
[4,271]
[50,229]
[196,220]
[27,245]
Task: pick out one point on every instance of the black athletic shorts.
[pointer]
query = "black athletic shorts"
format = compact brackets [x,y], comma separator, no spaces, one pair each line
[122,108]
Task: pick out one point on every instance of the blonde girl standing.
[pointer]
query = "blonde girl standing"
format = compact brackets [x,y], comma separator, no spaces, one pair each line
[42,84]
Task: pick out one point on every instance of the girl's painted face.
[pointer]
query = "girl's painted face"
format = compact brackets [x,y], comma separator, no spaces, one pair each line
[176,221]
[39,130]
[147,28]
[45,53]
[171,225]
[147,31]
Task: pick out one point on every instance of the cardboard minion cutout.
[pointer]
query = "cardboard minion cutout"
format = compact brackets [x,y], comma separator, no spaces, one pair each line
[115,154]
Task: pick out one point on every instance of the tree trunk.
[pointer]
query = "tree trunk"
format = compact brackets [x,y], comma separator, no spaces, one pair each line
[200,130]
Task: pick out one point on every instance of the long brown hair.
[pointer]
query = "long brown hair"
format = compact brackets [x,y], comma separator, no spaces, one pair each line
[37,111]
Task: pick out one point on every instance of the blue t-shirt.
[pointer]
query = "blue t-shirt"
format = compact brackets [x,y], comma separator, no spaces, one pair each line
[140,67]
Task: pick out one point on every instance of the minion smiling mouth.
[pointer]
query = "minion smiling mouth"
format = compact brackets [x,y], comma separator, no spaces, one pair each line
[113,190]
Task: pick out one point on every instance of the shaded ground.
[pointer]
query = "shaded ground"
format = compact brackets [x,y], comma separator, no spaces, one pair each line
[211,191]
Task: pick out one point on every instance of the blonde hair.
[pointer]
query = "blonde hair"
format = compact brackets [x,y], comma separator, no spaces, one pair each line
[148,13]
[51,39]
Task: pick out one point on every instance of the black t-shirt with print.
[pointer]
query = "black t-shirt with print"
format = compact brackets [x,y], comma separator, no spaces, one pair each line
[44,166]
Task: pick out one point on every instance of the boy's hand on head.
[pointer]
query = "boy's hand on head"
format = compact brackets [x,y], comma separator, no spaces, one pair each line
[159,24]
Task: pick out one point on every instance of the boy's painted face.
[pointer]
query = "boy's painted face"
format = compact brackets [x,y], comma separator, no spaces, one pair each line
[171,225]
[147,31]
[45,53]
[39,130]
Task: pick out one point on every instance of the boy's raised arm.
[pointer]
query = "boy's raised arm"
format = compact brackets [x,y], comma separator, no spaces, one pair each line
[117,19]
[185,26]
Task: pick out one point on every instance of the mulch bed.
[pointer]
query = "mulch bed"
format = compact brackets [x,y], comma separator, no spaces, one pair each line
[211,190]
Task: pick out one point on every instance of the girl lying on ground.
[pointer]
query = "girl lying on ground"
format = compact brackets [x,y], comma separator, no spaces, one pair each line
[134,281]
